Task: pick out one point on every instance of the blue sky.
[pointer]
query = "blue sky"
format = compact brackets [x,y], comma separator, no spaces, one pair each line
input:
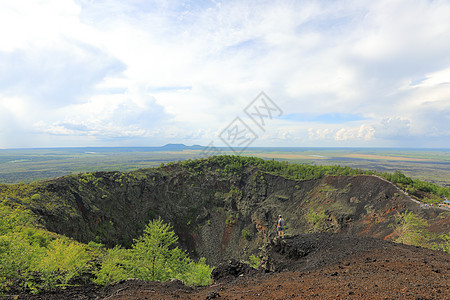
[147,73]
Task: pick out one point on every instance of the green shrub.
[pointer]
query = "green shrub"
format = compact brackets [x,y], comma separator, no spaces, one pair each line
[197,273]
[443,243]
[254,261]
[316,220]
[245,234]
[33,258]
[412,230]
[231,219]
[14,218]
[17,257]
[63,261]
[112,266]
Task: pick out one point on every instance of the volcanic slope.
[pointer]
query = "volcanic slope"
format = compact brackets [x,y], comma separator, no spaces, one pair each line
[221,208]
[312,266]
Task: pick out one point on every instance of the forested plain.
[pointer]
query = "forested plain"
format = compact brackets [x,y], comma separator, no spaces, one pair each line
[27,165]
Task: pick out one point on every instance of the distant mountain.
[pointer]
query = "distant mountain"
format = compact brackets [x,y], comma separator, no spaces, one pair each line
[179,147]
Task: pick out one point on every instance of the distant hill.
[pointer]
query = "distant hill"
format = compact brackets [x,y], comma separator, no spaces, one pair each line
[180,147]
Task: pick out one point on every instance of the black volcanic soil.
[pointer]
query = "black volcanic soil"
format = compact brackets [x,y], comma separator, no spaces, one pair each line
[313,266]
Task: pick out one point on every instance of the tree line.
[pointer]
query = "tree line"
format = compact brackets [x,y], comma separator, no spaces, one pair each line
[235,165]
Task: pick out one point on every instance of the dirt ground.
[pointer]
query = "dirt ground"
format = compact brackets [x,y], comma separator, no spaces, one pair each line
[316,266]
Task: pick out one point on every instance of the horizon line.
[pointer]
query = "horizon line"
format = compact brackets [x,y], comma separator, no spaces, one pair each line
[225,147]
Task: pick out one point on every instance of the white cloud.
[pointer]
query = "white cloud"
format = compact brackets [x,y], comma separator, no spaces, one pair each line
[156,71]
[320,134]
[356,134]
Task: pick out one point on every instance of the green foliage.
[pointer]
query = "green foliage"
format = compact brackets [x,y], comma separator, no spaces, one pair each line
[36,197]
[325,188]
[17,250]
[316,220]
[412,230]
[89,178]
[197,273]
[234,192]
[254,261]
[236,165]
[62,261]
[14,218]
[17,256]
[412,186]
[32,258]
[231,219]
[443,243]
[246,234]
[410,190]
[431,188]
[113,266]
[432,199]
[153,257]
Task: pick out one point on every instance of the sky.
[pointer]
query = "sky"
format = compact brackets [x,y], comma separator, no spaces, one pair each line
[78,73]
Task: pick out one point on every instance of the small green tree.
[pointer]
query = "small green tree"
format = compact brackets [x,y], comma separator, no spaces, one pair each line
[154,257]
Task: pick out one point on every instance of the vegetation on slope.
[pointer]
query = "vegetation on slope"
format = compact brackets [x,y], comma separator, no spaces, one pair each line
[412,230]
[33,259]
[236,165]
[418,187]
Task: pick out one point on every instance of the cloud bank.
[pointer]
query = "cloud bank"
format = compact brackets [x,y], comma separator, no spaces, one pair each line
[143,73]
